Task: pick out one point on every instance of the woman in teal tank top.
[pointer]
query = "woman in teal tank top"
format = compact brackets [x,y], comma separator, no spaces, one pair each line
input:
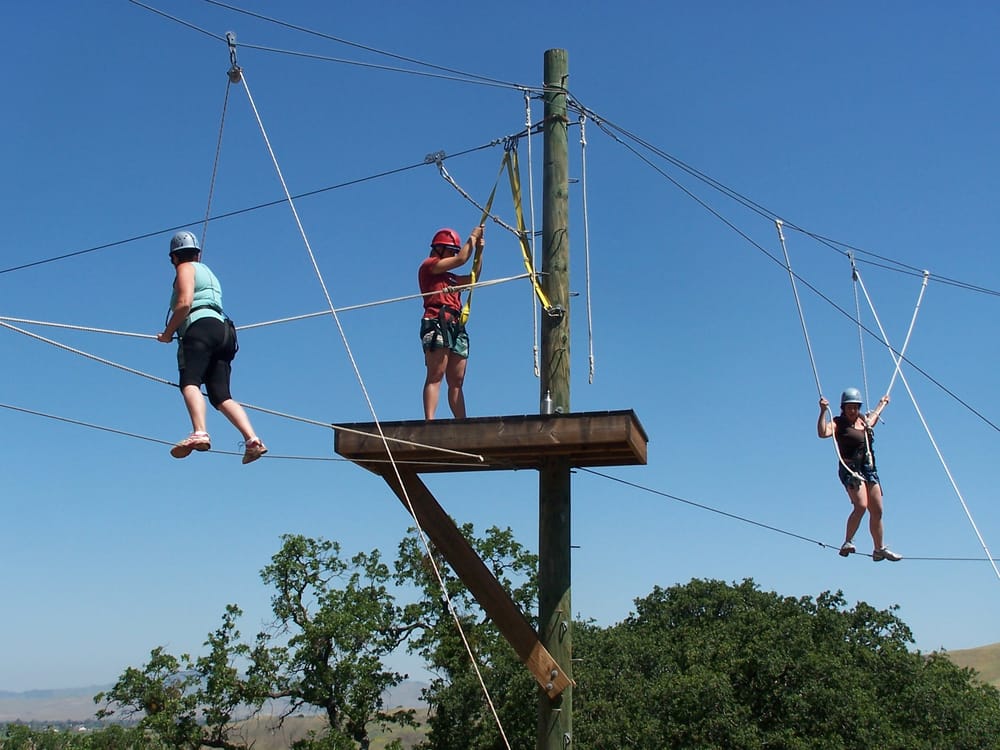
[205,351]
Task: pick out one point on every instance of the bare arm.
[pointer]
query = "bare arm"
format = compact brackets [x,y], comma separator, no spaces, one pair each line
[475,240]
[184,283]
[873,417]
[824,428]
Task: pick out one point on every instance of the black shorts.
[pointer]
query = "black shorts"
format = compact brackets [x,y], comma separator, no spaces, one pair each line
[205,355]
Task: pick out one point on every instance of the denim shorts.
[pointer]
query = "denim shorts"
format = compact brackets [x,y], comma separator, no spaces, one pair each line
[848,479]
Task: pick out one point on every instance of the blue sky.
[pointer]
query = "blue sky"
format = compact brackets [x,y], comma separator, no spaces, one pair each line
[873,124]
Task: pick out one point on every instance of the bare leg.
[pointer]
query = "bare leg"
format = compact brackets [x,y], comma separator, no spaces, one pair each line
[436,361]
[875,514]
[456,379]
[235,413]
[195,404]
[859,499]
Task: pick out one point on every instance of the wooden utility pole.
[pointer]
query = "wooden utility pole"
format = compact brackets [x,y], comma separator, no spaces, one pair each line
[555,716]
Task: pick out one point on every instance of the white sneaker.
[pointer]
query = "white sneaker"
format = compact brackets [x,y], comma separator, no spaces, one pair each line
[886,554]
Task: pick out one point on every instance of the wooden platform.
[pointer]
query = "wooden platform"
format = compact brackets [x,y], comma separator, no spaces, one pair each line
[609,438]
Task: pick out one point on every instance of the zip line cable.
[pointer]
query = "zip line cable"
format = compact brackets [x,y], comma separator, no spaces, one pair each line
[749,521]
[366,48]
[897,266]
[248,209]
[371,408]
[778,262]
[835,245]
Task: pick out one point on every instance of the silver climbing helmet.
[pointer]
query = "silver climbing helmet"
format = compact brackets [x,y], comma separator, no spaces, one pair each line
[851,396]
[183,241]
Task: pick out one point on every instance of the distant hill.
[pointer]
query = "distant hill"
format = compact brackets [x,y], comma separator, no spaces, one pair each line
[77,704]
[985,660]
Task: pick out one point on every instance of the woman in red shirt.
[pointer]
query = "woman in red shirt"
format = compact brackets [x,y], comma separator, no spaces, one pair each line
[442,333]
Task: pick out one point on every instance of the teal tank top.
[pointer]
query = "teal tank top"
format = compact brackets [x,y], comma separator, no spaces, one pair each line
[207,302]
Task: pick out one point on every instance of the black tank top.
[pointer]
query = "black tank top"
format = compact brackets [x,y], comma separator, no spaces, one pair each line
[851,442]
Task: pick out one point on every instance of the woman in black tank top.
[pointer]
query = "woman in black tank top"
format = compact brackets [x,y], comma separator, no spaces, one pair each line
[853,434]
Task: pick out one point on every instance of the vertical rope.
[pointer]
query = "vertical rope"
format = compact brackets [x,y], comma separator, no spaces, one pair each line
[586,240]
[531,209]
[805,333]
[215,167]
[857,316]
[898,361]
[371,408]
[798,305]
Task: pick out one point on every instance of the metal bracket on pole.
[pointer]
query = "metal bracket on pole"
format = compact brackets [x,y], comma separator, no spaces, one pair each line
[235,71]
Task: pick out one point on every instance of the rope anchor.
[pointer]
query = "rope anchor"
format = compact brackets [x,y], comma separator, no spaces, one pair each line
[235,71]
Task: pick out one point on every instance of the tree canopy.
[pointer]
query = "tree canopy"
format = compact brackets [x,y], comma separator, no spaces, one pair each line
[702,665]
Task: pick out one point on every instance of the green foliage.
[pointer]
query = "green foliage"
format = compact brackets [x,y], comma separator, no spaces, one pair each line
[113,737]
[703,666]
[335,621]
[460,717]
[709,665]
[339,636]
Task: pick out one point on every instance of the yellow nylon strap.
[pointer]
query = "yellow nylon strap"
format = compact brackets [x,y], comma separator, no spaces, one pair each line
[477,258]
[514,172]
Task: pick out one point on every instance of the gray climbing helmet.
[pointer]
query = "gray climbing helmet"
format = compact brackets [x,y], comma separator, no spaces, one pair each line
[851,396]
[183,241]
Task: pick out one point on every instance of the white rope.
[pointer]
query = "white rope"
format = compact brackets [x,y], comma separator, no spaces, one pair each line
[798,305]
[323,313]
[76,328]
[586,240]
[263,410]
[857,316]
[897,360]
[371,408]
[805,333]
[531,209]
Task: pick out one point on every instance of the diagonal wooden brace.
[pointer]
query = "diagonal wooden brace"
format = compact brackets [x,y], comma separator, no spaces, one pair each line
[483,585]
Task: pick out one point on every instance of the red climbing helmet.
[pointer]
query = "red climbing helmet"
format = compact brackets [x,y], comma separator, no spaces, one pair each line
[448,238]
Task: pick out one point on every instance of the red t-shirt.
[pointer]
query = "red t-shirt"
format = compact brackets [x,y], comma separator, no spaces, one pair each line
[435,282]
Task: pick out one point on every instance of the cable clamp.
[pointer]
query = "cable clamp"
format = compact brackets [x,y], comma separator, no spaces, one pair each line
[435,158]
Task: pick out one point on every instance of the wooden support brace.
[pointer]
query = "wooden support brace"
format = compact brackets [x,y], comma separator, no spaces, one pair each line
[483,585]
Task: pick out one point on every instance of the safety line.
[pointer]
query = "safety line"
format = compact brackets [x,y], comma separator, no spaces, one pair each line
[798,306]
[348,308]
[215,166]
[371,408]
[586,242]
[861,336]
[812,358]
[927,429]
[531,210]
